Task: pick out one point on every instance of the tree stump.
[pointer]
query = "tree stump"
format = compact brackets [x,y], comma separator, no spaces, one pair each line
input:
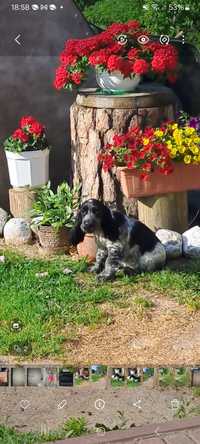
[95,118]
[21,201]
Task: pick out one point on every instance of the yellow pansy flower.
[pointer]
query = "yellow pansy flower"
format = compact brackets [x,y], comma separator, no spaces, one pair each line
[187,159]
[195,149]
[158,133]
[189,131]
[169,144]
[174,126]
[173,152]
[181,149]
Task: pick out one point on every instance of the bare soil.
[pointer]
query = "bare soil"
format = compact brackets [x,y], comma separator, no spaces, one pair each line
[140,405]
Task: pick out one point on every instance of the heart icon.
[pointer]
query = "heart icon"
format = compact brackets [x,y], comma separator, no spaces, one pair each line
[24,404]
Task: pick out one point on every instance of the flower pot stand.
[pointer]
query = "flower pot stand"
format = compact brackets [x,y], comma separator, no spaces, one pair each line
[21,201]
[169,211]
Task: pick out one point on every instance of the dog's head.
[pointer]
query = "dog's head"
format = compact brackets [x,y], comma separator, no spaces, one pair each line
[92,217]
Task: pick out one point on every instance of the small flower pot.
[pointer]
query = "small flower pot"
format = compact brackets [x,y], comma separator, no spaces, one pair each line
[88,247]
[55,241]
[116,82]
[29,168]
[183,178]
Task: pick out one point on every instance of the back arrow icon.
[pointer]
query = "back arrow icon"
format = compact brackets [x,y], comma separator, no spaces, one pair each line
[17,39]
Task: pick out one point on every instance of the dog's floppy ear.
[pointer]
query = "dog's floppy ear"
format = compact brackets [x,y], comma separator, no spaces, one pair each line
[76,234]
[108,224]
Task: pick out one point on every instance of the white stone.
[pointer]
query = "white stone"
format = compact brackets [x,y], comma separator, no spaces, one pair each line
[3,220]
[17,232]
[191,242]
[43,274]
[67,271]
[172,242]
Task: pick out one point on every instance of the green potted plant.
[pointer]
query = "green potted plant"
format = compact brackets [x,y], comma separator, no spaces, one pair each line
[54,215]
[27,153]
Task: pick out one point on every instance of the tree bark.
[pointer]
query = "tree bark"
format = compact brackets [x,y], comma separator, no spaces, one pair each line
[95,118]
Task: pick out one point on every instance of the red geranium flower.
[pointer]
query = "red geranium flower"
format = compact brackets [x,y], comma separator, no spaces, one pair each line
[77,77]
[68,59]
[62,76]
[117,28]
[114,62]
[26,121]
[36,129]
[19,134]
[133,53]
[99,57]
[140,67]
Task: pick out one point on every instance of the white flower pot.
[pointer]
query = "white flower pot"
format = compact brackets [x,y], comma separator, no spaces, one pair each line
[116,82]
[29,168]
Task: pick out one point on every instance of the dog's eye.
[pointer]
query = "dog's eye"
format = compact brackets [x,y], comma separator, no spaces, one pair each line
[96,211]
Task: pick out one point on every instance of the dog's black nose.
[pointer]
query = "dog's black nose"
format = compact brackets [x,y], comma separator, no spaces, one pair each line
[88,226]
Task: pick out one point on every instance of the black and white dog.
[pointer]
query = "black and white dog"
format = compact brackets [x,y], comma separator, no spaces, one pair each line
[122,242]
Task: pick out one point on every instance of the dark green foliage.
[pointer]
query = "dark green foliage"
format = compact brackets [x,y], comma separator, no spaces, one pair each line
[105,12]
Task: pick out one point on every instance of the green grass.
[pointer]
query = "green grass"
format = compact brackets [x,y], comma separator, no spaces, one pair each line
[52,307]
[72,427]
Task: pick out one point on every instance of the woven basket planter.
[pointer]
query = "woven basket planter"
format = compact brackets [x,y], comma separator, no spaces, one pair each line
[54,240]
[183,178]
[88,247]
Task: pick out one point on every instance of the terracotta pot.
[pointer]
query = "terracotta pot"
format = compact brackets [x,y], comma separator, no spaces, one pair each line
[53,240]
[183,178]
[88,247]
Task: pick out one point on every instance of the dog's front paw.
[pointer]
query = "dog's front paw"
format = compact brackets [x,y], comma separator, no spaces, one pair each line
[105,277]
[94,269]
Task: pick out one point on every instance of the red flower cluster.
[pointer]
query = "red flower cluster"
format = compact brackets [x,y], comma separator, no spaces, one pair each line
[137,149]
[28,127]
[116,49]
[19,134]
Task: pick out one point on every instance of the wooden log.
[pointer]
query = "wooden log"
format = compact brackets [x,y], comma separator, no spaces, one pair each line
[21,201]
[168,211]
[95,118]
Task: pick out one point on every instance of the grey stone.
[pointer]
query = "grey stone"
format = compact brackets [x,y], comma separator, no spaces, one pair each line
[3,220]
[17,232]
[172,242]
[191,242]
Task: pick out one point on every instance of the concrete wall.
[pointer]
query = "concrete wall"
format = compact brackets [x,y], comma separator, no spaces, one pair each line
[26,77]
